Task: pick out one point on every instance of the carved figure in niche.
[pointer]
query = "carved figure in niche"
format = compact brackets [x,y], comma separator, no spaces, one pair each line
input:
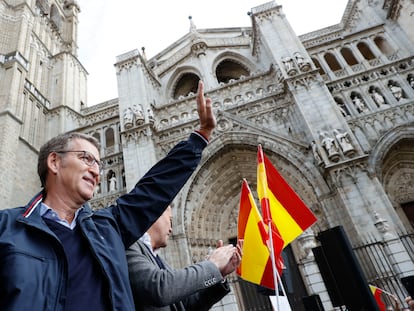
[382,226]
[359,104]
[342,107]
[377,97]
[289,67]
[112,182]
[330,146]
[316,154]
[396,90]
[411,81]
[128,117]
[139,114]
[344,142]
[303,64]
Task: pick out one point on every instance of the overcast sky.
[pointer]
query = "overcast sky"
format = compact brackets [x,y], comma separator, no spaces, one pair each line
[108,28]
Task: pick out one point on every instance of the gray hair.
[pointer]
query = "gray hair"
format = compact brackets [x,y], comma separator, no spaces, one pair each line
[59,142]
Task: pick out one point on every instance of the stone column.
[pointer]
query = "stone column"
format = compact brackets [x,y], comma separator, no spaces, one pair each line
[310,270]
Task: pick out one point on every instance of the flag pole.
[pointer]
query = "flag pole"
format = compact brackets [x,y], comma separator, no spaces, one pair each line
[276,276]
[264,202]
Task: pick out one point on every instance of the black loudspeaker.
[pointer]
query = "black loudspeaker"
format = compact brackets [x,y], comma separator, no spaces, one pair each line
[328,277]
[408,282]
[349,282]
[312,303]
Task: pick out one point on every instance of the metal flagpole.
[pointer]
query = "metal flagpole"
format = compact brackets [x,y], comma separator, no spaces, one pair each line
[262,182]
[276,277]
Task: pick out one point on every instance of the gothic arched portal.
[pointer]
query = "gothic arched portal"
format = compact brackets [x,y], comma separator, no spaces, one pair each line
[211,200]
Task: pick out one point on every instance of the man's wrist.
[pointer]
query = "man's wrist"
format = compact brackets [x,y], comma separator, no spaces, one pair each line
[205,134]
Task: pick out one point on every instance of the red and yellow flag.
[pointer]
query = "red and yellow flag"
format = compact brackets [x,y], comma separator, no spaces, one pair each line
[377,292]
[256,265]
[281,204]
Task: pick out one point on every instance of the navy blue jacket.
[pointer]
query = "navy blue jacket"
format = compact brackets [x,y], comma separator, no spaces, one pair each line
[33,267]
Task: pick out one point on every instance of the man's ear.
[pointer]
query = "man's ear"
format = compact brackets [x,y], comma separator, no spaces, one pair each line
[53,162]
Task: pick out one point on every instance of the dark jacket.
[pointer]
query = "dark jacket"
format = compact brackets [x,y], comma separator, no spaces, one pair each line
[33,267]
[197,287]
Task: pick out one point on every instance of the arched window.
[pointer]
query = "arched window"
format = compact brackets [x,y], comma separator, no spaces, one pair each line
[349,56]
[332,62]
[365,51]
[384,46]
[109,138]
[318,65]
[187,84]
[230,70]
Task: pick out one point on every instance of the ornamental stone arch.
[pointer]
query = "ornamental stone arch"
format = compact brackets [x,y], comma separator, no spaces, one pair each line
[210,202]
[231,66]
[183,82]
[392,161]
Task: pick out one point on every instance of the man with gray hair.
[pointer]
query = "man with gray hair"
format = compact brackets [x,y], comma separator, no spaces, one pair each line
[57,254]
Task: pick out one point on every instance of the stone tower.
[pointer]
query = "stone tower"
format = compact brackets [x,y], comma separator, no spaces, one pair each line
[42,85]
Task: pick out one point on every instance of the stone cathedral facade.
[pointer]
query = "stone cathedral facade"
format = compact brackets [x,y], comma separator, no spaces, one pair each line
[333,110]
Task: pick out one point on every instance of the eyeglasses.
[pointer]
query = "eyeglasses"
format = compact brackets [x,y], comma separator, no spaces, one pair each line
[87,158]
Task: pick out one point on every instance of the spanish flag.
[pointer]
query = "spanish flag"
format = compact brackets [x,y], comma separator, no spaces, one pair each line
[377,292]
[256,265]
[280,203]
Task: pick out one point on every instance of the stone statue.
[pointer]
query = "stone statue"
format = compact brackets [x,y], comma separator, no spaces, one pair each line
[138,114]
[378,98]
[359,104]
[344,142]
[396,91]
[343,109]
[112,182]
[330,146]
[316,155]
[128,118]
[303,64]
[289,67]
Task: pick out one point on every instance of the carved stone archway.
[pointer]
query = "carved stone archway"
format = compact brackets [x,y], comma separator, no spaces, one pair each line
[210,203]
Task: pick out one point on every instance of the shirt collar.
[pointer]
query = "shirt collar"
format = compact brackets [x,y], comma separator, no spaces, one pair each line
[48,213]
[146,239]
